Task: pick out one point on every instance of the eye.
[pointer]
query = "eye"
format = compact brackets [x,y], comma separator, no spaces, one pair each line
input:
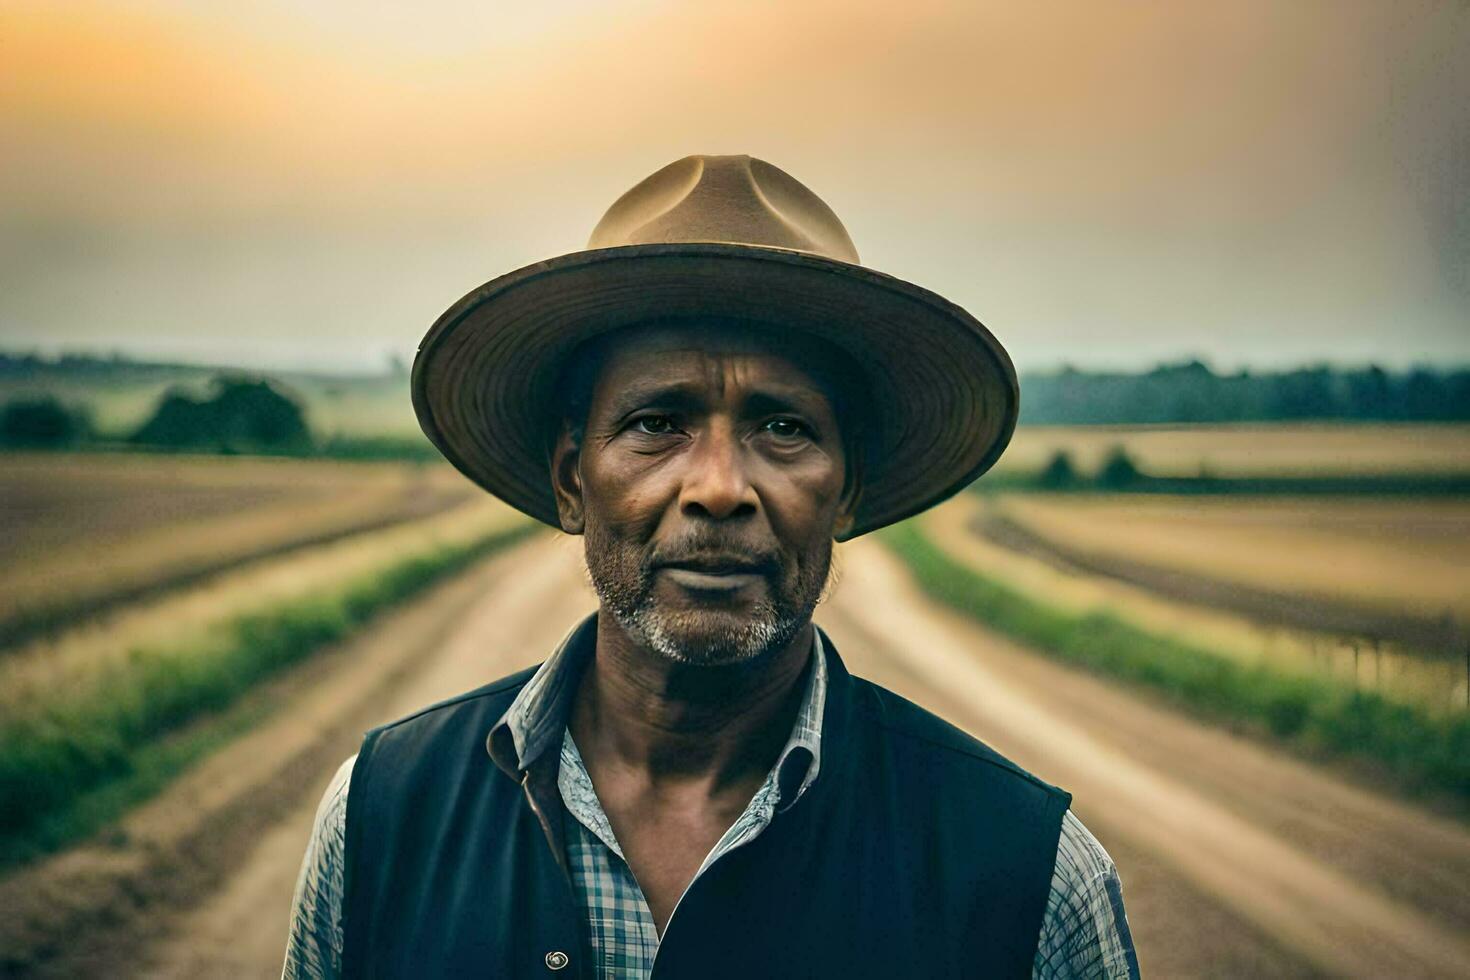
[654,425]
[787,428]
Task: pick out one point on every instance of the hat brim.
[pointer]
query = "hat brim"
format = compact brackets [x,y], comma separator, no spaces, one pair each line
[942,390]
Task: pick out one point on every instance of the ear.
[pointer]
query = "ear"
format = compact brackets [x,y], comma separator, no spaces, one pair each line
[852,492]
[566,480]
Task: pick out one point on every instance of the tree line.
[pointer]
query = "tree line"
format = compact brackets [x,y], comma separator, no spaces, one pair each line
[239,414]
[244,413]
[1192,392]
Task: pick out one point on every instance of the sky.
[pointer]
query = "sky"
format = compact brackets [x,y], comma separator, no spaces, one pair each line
[1103,184]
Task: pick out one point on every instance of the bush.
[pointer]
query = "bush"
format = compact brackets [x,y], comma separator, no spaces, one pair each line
[241,415]
[42,423]
[1118,469]
[1059,472]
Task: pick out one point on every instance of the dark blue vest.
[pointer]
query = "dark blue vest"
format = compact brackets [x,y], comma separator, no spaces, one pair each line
[917,852]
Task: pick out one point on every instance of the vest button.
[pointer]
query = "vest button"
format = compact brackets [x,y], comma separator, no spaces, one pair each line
[556,960]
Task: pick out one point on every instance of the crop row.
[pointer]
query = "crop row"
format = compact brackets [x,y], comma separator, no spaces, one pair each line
[1423,751]
[85,735]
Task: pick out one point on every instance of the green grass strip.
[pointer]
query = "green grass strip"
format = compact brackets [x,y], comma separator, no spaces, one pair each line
[111,728]
[1423,751]
[150,769]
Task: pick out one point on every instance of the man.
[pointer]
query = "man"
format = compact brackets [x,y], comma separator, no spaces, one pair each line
[692,784]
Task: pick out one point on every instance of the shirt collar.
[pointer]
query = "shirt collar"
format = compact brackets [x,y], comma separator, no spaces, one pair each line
[796,767]
[534,722]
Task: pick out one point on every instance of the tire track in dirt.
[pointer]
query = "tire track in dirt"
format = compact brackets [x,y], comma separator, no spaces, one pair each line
[1333,914]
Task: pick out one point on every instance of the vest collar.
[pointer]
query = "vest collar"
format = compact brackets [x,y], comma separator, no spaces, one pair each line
[533,723]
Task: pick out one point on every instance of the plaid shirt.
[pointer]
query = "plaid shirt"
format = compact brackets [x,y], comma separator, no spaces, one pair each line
[1084,932]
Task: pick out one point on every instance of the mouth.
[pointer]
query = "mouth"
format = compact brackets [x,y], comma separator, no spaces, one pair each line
[713,574]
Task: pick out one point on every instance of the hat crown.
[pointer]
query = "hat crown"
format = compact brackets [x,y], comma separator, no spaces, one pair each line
[737,200]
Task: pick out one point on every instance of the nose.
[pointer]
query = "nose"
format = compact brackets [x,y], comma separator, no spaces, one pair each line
[716,484]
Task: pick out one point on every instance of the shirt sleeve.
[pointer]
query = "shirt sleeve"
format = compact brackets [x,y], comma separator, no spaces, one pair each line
[314,944]
[1085,930]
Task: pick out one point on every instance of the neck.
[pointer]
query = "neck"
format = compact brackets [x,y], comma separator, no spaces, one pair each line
[674,723]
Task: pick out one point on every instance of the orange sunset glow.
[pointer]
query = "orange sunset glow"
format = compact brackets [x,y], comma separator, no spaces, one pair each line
[1104,184]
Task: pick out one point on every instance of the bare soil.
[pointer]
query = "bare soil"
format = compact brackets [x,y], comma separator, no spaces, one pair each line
[80,536]
[1235,861]
[1440,635]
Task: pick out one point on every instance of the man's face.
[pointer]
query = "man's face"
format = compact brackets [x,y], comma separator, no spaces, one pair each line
[709,483]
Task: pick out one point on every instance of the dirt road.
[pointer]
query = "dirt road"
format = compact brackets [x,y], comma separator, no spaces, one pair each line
[240,931]
[1234,861]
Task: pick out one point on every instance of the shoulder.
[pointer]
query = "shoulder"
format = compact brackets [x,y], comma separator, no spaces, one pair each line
[1085,931]
[922,733]
[314,940]
[1082,861]
[416,754]
[322,868]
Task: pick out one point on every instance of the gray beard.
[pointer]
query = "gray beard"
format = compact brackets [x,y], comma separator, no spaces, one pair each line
[762,634]
[626,591]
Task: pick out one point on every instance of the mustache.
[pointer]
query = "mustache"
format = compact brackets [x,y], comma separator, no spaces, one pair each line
[713,551]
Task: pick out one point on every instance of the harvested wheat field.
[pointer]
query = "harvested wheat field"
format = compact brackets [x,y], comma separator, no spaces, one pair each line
[1277,449]
[188,616]
[1245,623]
[99,713]
[1408,556]
[82,532]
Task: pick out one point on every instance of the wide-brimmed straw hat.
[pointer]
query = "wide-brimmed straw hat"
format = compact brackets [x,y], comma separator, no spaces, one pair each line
[728,237]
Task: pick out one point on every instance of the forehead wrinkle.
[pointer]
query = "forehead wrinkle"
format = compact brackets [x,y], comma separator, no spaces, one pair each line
[656,371]
[718,369]
[631,395]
